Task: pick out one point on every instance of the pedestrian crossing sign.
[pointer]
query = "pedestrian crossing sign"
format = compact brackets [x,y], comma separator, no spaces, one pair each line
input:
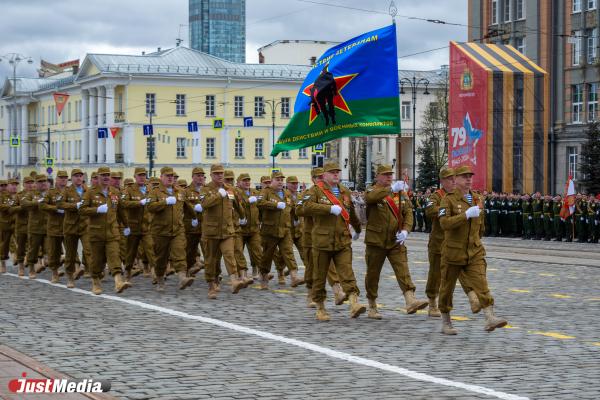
[218,123]
[49,162]
[15,141]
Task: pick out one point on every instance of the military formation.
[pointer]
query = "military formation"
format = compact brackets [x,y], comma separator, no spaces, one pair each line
[164,226]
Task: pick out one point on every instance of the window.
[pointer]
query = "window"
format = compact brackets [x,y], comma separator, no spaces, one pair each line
[576,6]
[592,102]
[576,48]
[210,105]
[592,45]
[572,157]
[520,44]
[210,147]
[285,154]
[180,149]
[520,9]
[180,104]
[239,148]
[494,12]
[285,107]
[303,153]
[150,104]
[506,11]
[577,103]
[259,106]
[406,110]
[258,147]
[238,106]
[591,5]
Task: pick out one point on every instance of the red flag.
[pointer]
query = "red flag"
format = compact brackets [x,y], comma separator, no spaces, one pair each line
[568,207]
[60,99]
[114,130]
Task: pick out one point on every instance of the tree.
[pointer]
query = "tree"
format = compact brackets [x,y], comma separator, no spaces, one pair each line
[590,160]
[433,150]
[428,170]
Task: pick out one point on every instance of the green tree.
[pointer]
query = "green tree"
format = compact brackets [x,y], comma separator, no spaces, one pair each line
[427,167]
[433,151]
[590,159]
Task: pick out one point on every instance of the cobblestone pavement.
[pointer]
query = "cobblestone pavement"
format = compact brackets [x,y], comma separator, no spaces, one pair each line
[551,349]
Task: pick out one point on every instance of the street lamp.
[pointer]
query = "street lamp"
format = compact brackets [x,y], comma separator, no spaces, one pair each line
[273,105]
[414,86]
[14,59]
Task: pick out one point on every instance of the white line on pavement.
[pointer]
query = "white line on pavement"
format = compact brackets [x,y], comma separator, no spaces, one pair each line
[299,343]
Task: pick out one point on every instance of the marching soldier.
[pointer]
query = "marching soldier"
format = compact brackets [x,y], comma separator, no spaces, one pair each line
[36,227]
[7,219]
[193,219]
[388,223]
[238,221]
[548,218]
[332,212]
[460,218]
[22,223]
[54,225]
[292,188]
[250,236]
[167,203]
[102,204]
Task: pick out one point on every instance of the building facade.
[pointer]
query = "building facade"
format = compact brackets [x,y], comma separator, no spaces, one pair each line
[299,52]
[218,27]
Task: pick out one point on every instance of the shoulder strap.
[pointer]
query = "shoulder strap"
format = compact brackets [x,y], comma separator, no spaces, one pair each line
[331,197]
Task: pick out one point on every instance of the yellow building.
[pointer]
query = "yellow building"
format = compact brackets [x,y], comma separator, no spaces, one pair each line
[171,87]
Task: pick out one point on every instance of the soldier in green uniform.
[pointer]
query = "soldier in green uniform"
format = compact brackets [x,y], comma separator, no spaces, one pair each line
[527,208]
[7,219]
[548,217]
[54,225]
[250,235]
[512,215]
[504,218]
[460,218]
[538,219]
[21,224]
[418,204]
[581,209]
[423,206]
[193,219]
[518,209]
[388,222]
[557,222]
[495,206]
[488,223]
[594,215]
[36,227]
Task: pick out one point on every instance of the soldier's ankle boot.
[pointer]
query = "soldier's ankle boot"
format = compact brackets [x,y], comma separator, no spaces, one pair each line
[78,272]
[60,272]
[412,304]
[54,278]
[264,281]
[296,280]
[96,286]
[492,321]
[355,307]
[184,280]
[236,283]
[280,278]
[39,268]
[434,311]
[322,314]
[120,284]
[309,301]
[160,283]
[255,273]
[474,302]
[218,284]
[135,271]
[21,269]
[447,328]
[247,279]
[70,281]
[2,267]
[212,293]
[170,270]
[32,273]
[338,293]
[127,275]
[194,270]
[146,270]
[373,312]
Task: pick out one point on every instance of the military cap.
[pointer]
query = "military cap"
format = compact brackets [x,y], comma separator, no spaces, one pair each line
[277,174]
[128,181]
[3,183]
[167,171]
[447,172]
[265,179]
[197,170]
[41,178]
[331,166]
[33,174]
[181,182]
[94,174]
[243,176]
[292,179]
[317,172]
[384,169]
[76,171]
[175,174]
[62,174]
[464,170]
[216,168]
[28,179]
[103,171]
[116,175]
[13,181]
[154,180]
[229,174]
[140,171]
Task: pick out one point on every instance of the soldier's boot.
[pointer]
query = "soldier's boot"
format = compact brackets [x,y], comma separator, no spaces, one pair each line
[128,275]
[447,328]
[264,281]
[322,314]
[373,312]
[280,278]
[86,272]
[338,294]
[32,273]
[236,283]
[70,281]
[355,307]
[120,284]
[434,311]
[184,280]
[79,272]
[492,321]
[296,280]
[2,267]
[55,276]
[39,267]
[170,271]
[255,273]
[218,284]
[309,301]
[96,286]
[21,269]
[61,272]
[270,276]
[160,283]
[248,280]
[194,270]
[412,304]
[146,270]
[474,302]
[212,292]
[135,272]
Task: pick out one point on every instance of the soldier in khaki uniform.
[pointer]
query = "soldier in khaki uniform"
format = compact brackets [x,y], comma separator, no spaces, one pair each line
[240,259]
[167,203]
[102,204]
[115,182]
[461,219]
[22,222]
[250,236]
[193,219]
[36,227]
[330,206]
[54,225]
[389,219]
[218,231]
[297,222]
[434,248]
[7,220]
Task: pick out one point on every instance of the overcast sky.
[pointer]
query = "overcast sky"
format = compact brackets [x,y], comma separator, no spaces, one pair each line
[60,30]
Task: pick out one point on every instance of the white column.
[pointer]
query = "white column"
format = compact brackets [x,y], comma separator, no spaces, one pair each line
[93,132]
[128,133]
[101,100]
[196,153]
[85,133]
[224,146]
[344,153]
[24,135]
[390,146]
[110,121]
[11,151]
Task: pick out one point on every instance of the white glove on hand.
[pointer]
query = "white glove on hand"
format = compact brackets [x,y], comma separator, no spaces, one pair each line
[126,232]
[103,209]
[194,223]
[171,200]
[355,235]
[223,192]
[60,211]
[335,210]
[198,208]
[401,236]
[252,199]
[40,200]
[143,201]
[398,186]
[473,212]
[79,204]
[281,205]
[243,221]
[296,222]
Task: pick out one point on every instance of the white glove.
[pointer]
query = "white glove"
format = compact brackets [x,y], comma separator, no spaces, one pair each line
[252,199]
[194,222]
[79,204]
[198,208]
[126,232]
[103,209]
[281,205]
[143,201]
[243,221]
[398,186]
[60,211]
[40,200]
[223,192]
[355,235]
[171,200]
[296,222]
[473,212]
[335,210]
[401,236]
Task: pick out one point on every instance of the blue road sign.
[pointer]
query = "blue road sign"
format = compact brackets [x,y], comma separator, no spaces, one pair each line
[218,123]
[15,141]
[319,147]
[192,126]
[148,130]
[102,133]
[49,170]
[248,121]
[49,162]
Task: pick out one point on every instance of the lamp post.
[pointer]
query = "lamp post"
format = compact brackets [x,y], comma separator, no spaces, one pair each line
[414,84]
[14,59]
[273,105]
